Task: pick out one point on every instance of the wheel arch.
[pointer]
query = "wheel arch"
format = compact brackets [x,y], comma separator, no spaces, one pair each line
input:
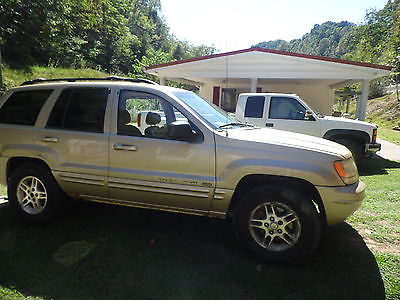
[14,162]
[361,137]
[250,182]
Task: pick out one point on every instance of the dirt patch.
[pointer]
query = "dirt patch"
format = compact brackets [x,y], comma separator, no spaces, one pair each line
[392,248]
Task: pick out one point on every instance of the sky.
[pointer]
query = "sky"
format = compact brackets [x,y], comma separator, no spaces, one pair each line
[237,24]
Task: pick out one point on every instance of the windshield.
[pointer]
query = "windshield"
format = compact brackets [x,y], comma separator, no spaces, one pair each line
[209,112]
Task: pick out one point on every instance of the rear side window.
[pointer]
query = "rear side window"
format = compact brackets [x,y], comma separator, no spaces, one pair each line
[80,109]
[23,107]
[254,107]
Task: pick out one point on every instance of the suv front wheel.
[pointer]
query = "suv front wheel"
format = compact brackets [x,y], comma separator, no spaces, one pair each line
[277,224]
[34,194]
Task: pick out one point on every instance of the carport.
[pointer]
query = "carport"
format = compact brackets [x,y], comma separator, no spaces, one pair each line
[221,77]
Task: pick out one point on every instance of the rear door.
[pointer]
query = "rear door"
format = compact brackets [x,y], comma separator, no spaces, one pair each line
[74,142]
[149,168]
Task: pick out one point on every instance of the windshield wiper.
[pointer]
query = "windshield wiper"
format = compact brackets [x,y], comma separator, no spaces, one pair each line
[236,124]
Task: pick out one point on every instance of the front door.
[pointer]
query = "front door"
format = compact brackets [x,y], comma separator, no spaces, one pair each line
[287,113]
[149,168]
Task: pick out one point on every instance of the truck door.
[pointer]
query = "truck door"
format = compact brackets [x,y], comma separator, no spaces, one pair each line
[286,113]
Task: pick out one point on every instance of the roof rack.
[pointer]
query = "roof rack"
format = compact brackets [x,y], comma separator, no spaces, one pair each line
[110,78]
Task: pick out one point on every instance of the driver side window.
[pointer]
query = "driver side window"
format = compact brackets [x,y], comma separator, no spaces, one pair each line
[286,108]
[146,115]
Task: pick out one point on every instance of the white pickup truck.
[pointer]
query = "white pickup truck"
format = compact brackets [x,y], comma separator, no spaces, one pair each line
[289,112]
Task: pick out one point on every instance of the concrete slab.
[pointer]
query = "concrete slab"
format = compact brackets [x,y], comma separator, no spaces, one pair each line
[389,150]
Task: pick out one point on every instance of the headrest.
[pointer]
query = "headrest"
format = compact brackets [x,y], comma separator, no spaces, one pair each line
[124,117]
[153,118]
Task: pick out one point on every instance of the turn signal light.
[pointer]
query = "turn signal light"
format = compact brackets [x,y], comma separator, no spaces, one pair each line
[347,170]
[374,135]
[340,169]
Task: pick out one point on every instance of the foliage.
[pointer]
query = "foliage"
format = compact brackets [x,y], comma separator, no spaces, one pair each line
[15,77]
[111,35]
[328,39]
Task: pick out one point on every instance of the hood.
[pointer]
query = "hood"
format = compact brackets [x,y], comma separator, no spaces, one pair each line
[289,139]
[350,123]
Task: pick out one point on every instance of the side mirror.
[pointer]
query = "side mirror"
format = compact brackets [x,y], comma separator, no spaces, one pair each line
[309,116]
[184,132]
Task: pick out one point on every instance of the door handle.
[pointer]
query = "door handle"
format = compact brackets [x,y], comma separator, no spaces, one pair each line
[125,147]
[269,124]
[50,139]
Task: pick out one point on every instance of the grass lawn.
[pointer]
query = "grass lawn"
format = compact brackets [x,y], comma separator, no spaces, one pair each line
[99,251]
[389,135]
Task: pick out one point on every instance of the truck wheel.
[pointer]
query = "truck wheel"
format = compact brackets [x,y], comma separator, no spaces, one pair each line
[34,194]
[354,148]
[277,224]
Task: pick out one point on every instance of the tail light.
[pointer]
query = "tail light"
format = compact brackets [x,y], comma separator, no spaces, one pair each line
[374,135]
[139,116]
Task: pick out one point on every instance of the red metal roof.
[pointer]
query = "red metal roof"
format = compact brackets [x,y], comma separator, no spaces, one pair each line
[279,52]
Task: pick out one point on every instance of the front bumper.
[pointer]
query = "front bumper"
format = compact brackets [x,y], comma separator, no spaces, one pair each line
[374,147]
[341,202]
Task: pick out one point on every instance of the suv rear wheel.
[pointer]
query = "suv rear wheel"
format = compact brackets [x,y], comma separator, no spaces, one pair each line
[34,194]
[277,224]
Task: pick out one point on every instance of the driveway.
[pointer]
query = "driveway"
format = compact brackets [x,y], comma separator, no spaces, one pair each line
[389,150]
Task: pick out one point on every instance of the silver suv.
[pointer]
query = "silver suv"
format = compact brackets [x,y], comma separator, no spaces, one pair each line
[80,139]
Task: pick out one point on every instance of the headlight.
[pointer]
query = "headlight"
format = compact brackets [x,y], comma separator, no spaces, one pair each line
[347,170]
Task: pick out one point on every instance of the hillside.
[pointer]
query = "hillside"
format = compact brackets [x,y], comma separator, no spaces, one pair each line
[328,39]
[383,111]
[377,40]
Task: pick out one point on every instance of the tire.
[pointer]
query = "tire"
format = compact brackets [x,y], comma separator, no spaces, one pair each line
[277,224]
[34,195]
[355,149]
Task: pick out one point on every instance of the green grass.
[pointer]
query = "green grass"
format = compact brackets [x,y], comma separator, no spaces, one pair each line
[14,77]
[389,135]
[101,251]
[378,220]
[3,190]
[380,213]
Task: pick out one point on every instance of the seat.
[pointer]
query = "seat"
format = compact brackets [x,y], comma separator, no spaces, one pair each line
[152,120]
[124,118]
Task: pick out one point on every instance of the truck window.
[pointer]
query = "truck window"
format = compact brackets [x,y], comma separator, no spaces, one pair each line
[286,108]
[254,107]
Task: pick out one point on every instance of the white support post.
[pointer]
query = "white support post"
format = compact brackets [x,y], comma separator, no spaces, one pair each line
[162,80]
[362,108]
[253,88]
